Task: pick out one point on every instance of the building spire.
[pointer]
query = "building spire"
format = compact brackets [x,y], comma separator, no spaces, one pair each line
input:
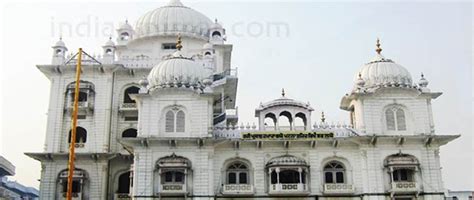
[378,50]
[323,118]
[179,46]
[283,92]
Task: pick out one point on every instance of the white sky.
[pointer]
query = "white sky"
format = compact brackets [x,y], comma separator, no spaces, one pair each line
[315,61]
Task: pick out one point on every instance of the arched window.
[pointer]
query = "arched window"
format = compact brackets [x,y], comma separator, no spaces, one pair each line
[81,135]
[173,177]
[175,121]
[129,133]
[124,183]
[334,172]
[128,91]
[216,34]
[395,118]
[169,124]
[124,36]
[180,121]
[285,121]
[237,173]
[300,121]
[270,121]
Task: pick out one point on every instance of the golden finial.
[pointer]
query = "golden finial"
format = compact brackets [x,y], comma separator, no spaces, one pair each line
[283,92]
[323,119]
[179,46]
[378,50]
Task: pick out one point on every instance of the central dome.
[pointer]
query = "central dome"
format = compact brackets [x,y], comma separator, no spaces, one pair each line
[173,19]
[381,71]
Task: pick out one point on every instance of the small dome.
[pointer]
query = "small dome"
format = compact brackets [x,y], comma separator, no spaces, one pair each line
[125,26]
[382,71]
[177,71]
[60,43]
[173,19]
[423,82]
[283,101]
[286,160]
[109,43]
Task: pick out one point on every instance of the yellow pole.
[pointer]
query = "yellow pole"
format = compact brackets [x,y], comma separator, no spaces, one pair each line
[73,129]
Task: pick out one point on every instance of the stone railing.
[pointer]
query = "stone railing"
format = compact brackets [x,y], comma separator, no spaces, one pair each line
[75,196]
[173,188]
[234,132]
[290,188]
[405,187]
[237,189]
[338,188]
[128,106]
[122,196]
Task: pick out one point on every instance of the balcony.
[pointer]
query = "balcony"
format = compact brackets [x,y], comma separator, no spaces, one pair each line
[338,188]
[84,107]
[288,189]
[237,189]
[122,196]
[75,196]
[128,109]
[405,187]
[173,189]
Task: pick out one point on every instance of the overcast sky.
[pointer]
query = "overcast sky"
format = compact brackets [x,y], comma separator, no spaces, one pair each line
[311,49]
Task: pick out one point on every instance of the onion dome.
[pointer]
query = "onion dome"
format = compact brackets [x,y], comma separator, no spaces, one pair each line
[177,71]
[381,71]
[109,43]
[286,160]
[172,19]
[125,26]
[360,81]
[423,82]
[60,43]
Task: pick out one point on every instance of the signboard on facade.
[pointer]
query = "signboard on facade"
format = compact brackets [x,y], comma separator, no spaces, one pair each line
[285,135]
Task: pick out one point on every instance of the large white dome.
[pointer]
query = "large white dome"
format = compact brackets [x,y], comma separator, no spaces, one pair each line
[177,71]
[382,71]
[173,19]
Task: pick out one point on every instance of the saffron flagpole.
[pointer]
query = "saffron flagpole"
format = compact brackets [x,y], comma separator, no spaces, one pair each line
[72,143]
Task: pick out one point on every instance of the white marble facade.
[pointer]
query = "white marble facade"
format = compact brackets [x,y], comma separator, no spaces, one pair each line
[158,119]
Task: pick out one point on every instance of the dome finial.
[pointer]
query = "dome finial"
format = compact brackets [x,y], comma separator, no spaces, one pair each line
[323,118]
[179,46]
[283,92]
[378,50]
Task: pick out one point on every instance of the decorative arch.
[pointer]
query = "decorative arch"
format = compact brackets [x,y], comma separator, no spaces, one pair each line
[270,120]
[129,133]
[130,90]
[80,185]
[301,121]
[402,168]
[285,120]
[395,117]
[339,168]
[123,183]
[81,135]
[175,120]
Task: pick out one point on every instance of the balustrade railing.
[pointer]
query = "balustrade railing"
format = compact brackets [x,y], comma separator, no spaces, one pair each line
[338,188]
[405,187]
[237,189]
[288,188]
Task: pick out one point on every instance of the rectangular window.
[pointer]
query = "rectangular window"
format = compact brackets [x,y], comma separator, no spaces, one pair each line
[168,177]
[242,178]
[168,46]
[328,177]
[232,178]
[339,177]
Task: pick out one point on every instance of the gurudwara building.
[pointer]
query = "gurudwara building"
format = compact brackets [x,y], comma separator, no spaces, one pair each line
[158,119]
